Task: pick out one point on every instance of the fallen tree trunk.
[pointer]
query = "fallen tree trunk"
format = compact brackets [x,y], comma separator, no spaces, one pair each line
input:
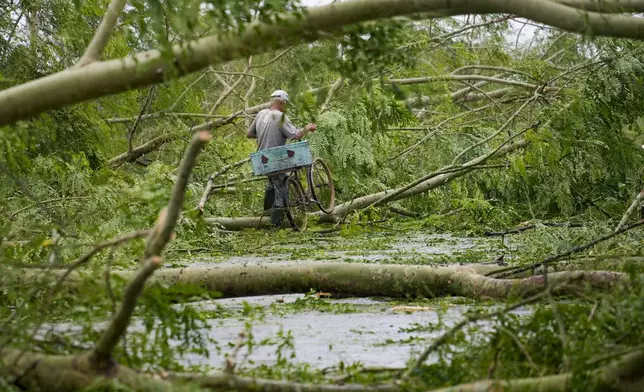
[42,373]
[373,280]
[359,280]
[343,209]
[37,372]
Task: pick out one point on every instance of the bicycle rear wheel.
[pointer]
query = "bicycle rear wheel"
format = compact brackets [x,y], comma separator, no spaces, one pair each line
[296,207]
[321,185]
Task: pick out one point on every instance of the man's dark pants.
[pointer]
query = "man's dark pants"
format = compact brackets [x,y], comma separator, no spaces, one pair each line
[276,198]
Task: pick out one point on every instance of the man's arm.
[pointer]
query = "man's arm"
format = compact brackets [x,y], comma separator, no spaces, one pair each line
[302,132]
[292,133]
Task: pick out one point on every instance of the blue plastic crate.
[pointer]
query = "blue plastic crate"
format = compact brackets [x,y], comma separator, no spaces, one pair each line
[282,158]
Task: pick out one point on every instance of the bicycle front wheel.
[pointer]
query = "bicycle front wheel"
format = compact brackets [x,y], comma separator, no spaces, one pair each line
[321,185]
[296,205]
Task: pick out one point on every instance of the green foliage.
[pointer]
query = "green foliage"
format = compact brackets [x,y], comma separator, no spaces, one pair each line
[530,345]
[353,140]
[584,163]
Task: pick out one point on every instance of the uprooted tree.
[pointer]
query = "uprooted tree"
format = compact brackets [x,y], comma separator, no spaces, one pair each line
[517,108]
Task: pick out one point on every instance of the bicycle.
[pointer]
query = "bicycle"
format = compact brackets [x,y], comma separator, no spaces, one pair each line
[292,158]
[320,191]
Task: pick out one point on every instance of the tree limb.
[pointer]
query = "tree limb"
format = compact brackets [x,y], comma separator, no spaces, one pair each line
[102,36]
[630,210]
[211,181]
[81,84]
[470,318]
[232,88]
[157,240]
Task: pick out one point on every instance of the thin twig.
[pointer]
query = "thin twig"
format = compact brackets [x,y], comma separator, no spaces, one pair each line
[552,259]
[530,227]
[144,109]
[519,344]
[274,59]
[470,318]
[563,336]
[495,134]
[211,181]
[232,88]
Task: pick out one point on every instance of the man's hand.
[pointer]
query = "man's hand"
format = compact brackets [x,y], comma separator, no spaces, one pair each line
[310,127]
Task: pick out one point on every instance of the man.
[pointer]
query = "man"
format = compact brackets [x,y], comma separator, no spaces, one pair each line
[272,128]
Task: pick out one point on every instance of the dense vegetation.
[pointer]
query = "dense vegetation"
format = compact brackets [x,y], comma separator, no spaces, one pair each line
[394,101]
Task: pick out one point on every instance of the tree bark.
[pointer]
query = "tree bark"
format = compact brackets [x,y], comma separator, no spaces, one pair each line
[42,373]
[36,372]
[358,280]
[159,141]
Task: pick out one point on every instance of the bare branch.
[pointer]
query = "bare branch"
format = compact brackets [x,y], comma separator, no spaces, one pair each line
[13,214]
[103,352]
[470,318]
[144,109]
[211,181]
[168,217]
[157,240]
[141,150]
[439,125]
[274,59]
[491,68]
[102,36]
[249,93]
[495,134]
[454,33]
[151,116]
[232,88]
[451,77]
[334,87]
[636,202]
[240,74]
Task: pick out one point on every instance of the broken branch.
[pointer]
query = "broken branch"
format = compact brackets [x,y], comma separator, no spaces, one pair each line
[102,36]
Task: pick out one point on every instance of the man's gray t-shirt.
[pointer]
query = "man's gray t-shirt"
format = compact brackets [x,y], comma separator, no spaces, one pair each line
[273,128]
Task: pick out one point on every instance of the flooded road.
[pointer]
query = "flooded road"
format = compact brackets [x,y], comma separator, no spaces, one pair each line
[370,331]
[375,332]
